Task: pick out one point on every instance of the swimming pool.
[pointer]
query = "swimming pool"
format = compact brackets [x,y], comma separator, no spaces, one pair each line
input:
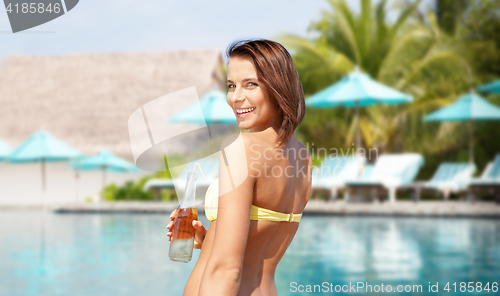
[127,254]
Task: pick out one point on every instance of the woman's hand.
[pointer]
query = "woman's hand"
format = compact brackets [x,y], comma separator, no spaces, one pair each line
[199,235]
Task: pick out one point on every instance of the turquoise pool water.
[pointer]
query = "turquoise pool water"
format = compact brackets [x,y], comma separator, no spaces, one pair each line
[127,254]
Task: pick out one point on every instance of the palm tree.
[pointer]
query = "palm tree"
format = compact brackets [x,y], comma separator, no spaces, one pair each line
[411,54]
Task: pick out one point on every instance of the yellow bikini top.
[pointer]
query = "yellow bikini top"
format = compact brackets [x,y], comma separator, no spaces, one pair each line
[256,213]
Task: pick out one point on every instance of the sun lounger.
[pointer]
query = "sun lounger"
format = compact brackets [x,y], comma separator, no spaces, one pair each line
[450,178]
[333,172]
[489,182]
[390,173]
[367,171]
[365,175]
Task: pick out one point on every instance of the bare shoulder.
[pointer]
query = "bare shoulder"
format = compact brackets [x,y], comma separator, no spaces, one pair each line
[235,145]
[240,140]
[237,153]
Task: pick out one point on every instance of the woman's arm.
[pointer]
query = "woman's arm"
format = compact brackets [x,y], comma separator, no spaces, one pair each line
[222,274]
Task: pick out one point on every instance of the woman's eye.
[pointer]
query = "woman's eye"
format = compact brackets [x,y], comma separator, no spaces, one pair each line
[248,84]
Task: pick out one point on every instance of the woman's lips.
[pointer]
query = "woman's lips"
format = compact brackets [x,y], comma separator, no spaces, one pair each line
[243,115]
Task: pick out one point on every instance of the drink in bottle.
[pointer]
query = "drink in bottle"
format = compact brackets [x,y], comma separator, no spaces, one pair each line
[181,246]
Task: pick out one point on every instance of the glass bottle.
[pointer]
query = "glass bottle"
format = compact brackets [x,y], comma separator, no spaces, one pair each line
[181,246]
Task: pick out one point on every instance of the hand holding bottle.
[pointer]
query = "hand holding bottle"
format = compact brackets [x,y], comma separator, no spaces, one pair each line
[199,234]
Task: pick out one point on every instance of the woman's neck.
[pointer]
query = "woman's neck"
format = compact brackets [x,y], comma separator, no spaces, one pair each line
[270,130]
[271,133]
[269,127]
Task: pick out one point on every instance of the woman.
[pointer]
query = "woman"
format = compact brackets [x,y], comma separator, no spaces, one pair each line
[264,177]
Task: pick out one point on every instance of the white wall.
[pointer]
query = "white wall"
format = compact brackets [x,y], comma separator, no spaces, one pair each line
[21,184]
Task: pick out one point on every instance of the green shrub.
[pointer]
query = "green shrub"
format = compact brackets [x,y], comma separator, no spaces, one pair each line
[133,191]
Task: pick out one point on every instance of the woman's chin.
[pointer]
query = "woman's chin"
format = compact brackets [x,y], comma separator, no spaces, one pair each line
[244,125]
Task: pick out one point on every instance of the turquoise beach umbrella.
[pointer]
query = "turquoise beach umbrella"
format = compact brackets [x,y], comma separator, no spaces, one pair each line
[492,88]
[44,147]
[215,111]
[214,107]
[105,161]
[4,150]
[357,90]
[469,107]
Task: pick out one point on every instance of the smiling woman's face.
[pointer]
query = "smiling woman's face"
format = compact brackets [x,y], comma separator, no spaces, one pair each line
[248,97]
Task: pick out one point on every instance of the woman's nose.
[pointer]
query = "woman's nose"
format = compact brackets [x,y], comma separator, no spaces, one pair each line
[238,96]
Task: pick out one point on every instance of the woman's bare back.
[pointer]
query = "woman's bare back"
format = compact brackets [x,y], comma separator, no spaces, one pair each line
[283,184]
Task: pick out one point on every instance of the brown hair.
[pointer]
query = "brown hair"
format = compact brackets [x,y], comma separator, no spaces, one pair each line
[277,71]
